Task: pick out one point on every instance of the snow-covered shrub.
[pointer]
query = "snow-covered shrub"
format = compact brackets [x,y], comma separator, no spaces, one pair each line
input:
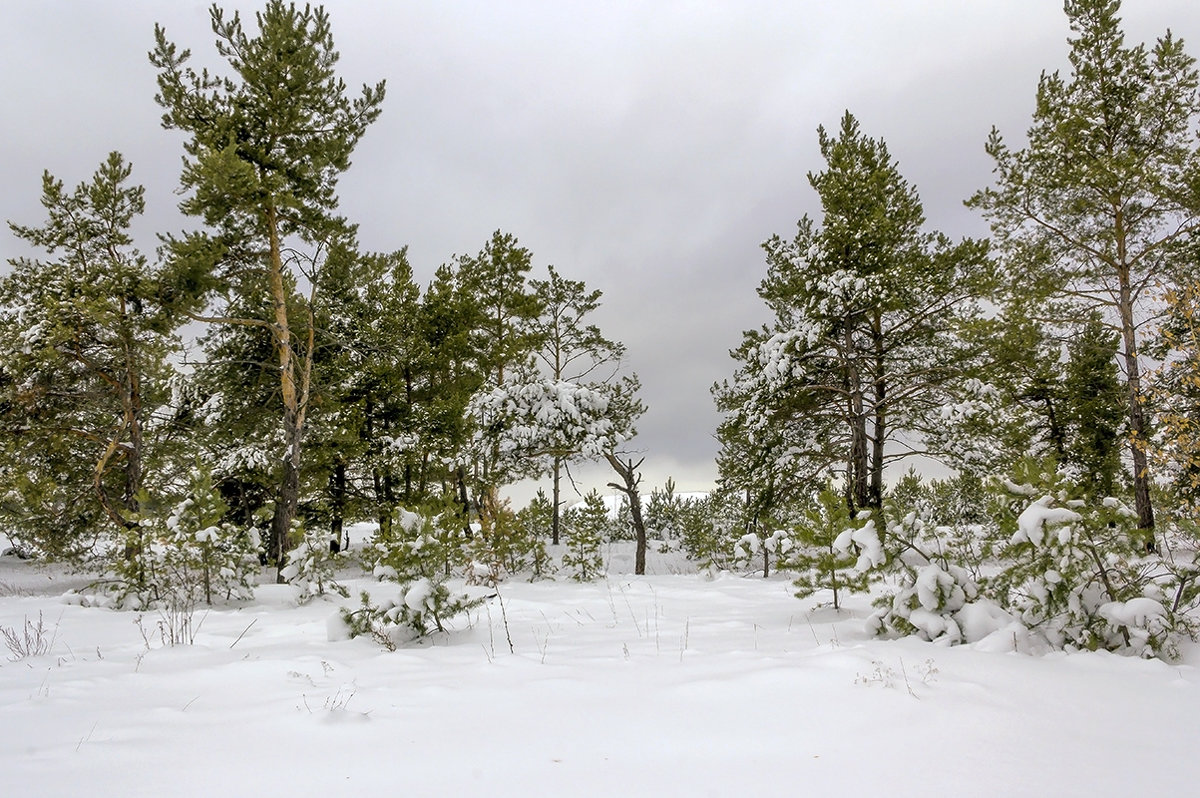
[752,549]
[932,589]
[534,521]
[585,532]
[1075,570]
[665,512]
[187,558]
[223,557]
[420,608]
[416,550]
[312,567]
[1179,547]
[709,529]
[818,563]
[426,544]
[927,605]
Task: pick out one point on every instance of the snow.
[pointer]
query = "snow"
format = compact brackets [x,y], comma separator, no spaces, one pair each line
[1033,520]
[664,685]
[866,538]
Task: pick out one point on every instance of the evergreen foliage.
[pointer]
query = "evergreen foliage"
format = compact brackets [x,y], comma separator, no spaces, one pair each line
[84,341]
[417,550]
[1092,212]
[312,566]
[266,146]
[586,527]
[867,309]
[818,563]
[198,555]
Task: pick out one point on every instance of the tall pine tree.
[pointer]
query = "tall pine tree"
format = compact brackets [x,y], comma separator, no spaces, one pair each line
[1091,212]
[266,146]
[868,308]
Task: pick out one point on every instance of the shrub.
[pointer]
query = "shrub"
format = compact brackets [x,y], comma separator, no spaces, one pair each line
[416,550]
[420,608]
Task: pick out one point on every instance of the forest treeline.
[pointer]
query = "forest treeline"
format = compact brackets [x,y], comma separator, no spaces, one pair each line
[1051,367]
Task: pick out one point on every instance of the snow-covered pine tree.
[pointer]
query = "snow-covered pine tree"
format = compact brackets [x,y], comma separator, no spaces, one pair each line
[572,350]
[818,563]
[868,310]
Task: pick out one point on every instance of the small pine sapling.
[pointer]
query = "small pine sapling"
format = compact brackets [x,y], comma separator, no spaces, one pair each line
[534,520]
[194,556]
[709,530]
[505,547]
[932,587]
[1075,569]
[312,567]
[416,550]
[585,531]
[820,565]
[751,549]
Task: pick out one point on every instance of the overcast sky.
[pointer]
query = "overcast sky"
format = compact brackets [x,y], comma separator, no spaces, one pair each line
[647,148]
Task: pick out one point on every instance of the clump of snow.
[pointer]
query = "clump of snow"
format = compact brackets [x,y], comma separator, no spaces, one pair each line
[866,537]
[1034,519]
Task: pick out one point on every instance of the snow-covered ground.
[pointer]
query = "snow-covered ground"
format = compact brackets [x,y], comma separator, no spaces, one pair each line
[664,685]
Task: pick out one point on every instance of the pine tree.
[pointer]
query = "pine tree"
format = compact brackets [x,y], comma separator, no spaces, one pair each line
[1174,390]
[371,386]
[502,340]
[819,564]
[83,340]
[868,309]
[1091,212]
[585,533]
[265,149]
[571,350]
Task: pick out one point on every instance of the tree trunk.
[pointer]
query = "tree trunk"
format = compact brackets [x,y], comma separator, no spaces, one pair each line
[295,399]
[627,470]
[1137,418]
[875,494]
[857,477]
[337,504]
[556,518]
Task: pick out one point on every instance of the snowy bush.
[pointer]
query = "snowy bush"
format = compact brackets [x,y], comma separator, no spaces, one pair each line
[311,566]
[417,550]
[1075,570]
[709,529]
[932,589]
[426,544]
[752,549]
[505,547]
[420,608]
[187,558]
[534,522]
[927,605]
